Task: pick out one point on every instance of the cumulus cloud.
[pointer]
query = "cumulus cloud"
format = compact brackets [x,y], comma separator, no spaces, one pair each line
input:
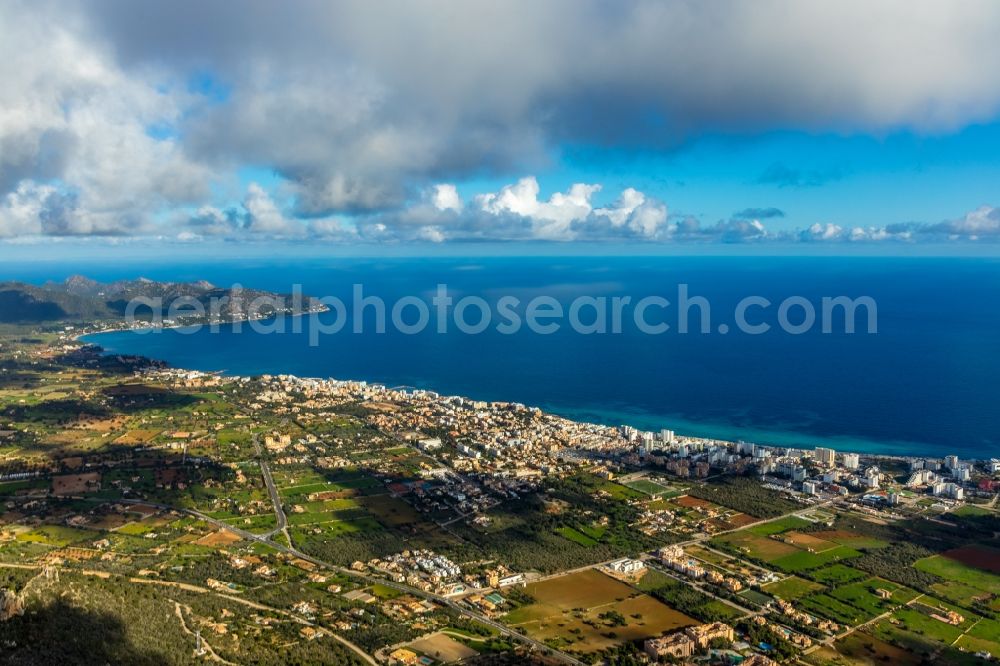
[517,212]
[446,197]
[34,209]
[263,215]
[983,222]
[822,232]
[70,115]
[552,219]
[645,218]
[23,209]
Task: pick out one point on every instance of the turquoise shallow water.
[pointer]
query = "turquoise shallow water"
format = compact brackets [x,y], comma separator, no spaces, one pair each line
[925,384]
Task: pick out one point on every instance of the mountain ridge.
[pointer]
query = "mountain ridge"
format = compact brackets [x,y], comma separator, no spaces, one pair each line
[79,298]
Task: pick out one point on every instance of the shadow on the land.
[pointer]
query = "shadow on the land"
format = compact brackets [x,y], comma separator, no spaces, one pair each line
[63,634]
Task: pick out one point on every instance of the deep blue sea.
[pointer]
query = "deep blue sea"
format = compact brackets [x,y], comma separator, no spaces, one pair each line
[927,383]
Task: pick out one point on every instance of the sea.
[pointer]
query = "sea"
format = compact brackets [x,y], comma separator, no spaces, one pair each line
[925,382]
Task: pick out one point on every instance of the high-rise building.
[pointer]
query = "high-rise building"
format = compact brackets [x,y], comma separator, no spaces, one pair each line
[852,461]
[824,456]
[951,462]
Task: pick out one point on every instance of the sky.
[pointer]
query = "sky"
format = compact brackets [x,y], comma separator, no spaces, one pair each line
[634,123]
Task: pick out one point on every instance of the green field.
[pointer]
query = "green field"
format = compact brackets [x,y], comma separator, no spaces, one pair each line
[759,547]
[826,606]
[836,574]
[575,536]
[972,510]
[260,523]
[851,539]
[862,596]
[56,535]
[956,571]
[804,560]
[791,588]
[779,526]
[983,636]
[136,529]
[647,486]
[915,627]
[755,598]
[620,492]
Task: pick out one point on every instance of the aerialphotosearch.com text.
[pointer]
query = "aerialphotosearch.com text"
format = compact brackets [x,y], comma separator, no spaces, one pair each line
[442,312]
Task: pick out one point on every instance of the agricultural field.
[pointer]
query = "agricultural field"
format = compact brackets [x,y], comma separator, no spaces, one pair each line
[914,628]
[858,602]
[576,536]
[567,613]
[804,560]
[971,510]
[836,574]
[807,541]
[984,636]
[758,547]
[963,583]
[443,648]
[779,526]
[390,511]
[861,649]
[754,598]
[792,588]
[56,535]
[710,556]
[620,492]
[851,539]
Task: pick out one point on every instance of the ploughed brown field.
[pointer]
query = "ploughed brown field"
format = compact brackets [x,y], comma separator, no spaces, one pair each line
[689,502]
[980,557]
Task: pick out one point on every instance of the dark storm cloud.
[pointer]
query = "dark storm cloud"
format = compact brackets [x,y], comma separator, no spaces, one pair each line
[360,106]
[355,101]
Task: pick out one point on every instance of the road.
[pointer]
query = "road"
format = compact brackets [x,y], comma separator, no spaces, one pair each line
[279,511]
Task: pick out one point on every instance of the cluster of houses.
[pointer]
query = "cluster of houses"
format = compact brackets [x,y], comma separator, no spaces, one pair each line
[422,568]
[786,608]
[674,557]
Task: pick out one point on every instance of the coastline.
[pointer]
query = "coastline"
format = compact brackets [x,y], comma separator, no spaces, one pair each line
[152,328]
[696,430]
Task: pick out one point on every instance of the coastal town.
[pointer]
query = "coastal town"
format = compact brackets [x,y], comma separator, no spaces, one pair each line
[344,521]
[471,333]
